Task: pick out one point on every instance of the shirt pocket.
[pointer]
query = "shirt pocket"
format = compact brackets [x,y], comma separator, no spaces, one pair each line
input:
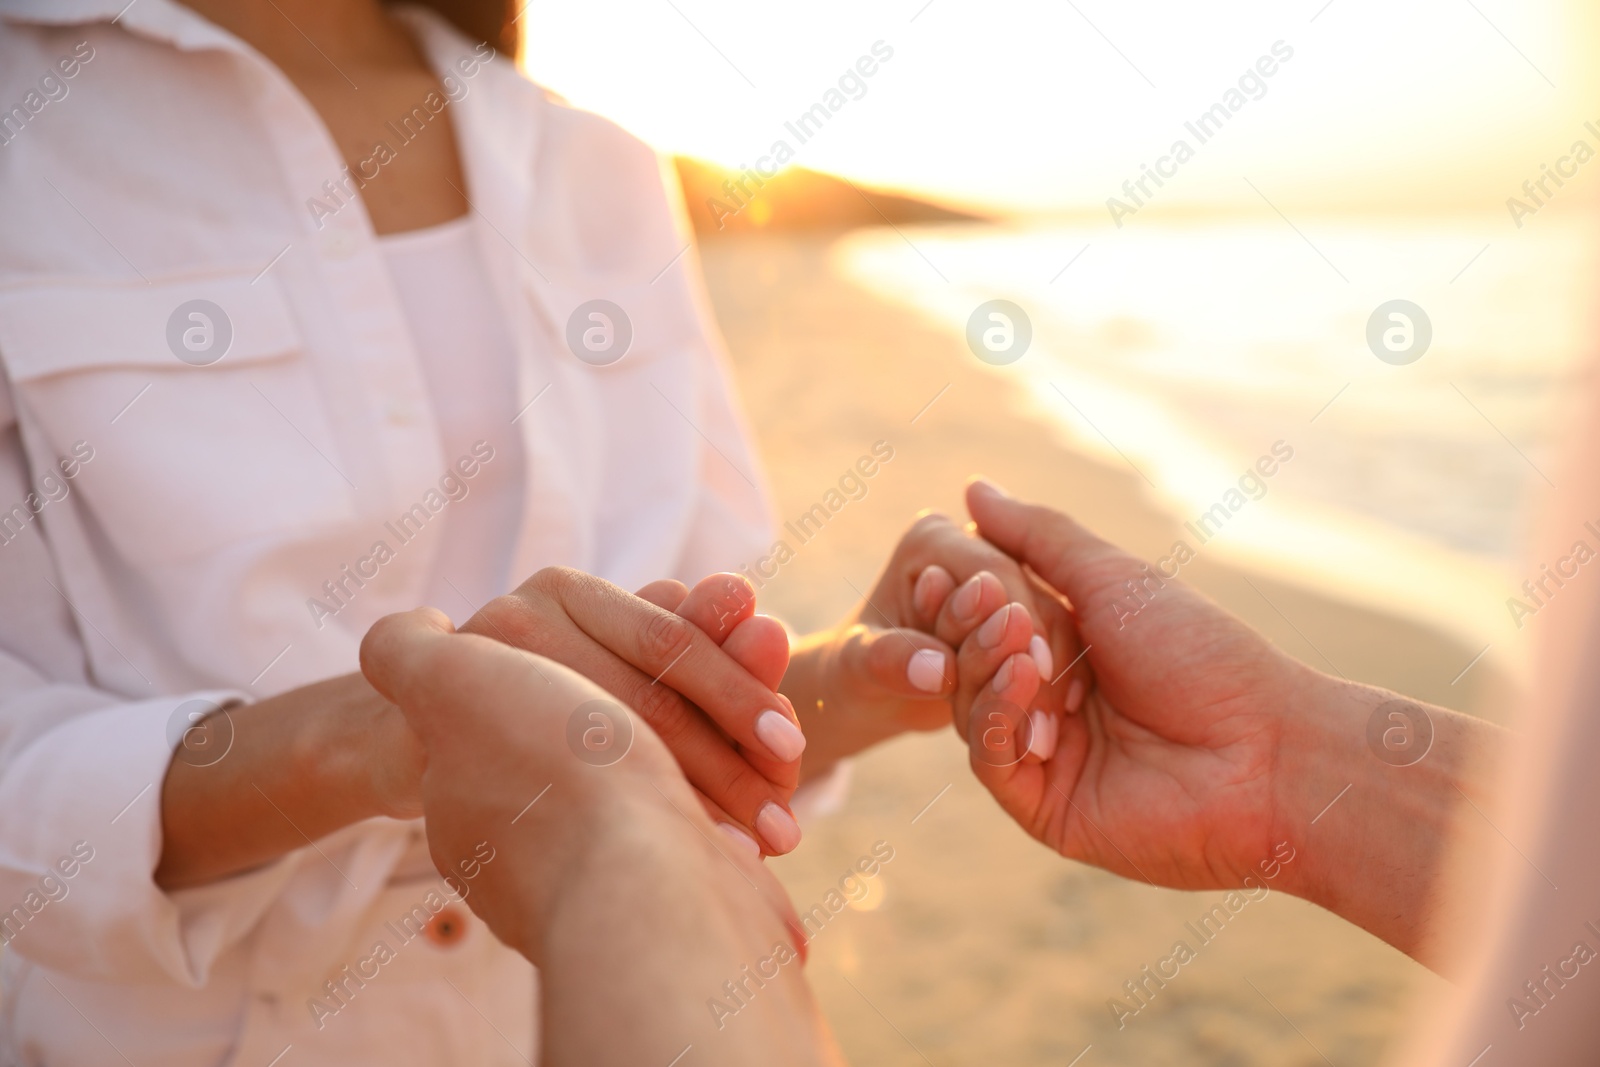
[205,420]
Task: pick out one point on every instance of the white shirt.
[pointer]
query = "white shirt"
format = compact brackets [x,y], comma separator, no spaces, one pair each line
[213,507]
[469,362]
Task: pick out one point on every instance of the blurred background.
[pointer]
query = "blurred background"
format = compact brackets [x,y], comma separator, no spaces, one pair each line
[1175,339]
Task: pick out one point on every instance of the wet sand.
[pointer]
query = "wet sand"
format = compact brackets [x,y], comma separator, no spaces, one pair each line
[983,946]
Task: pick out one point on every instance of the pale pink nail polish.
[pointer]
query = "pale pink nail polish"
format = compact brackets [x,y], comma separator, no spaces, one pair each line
[964,605]
[782,737]
[922,592]
[926,670]
[1002,677]
[1074,696]
[1045,735]
[1039,649]
[778,828]
[994,628]
[744,841]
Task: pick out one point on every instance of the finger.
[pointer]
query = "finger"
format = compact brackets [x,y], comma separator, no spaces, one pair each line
[1063,553]
[1062,651]
[1007,632]
[1000,730]
[734,839]
[978,598]
[901,664]
[723,605]
[394,649]
[664,593]
[934,539]
[674,651]
[760,645]
[752,788]
[718,603]
[933,587]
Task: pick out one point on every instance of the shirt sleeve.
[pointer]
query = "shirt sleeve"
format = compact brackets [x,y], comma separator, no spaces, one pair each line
[80,788]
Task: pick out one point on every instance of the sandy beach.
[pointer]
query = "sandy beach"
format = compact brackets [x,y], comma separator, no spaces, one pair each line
[978,945]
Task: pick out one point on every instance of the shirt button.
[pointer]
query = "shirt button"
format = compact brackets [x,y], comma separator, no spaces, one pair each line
[446,928]
[339,244]
[401,415]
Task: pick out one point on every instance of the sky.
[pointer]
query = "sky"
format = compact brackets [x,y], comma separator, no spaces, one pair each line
[1023,106]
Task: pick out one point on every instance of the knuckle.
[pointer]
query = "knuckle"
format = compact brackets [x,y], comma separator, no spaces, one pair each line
[505,618]
[664,637]
[735,790]
[664,710]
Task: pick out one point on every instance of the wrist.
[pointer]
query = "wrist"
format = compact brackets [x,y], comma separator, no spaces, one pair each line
[835,722]
[355,749]
[1373,791]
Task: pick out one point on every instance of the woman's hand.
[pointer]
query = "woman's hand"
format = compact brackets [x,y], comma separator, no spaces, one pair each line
[889,666]
[734,736]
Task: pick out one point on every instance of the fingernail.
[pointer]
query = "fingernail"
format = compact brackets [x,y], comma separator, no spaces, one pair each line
[965,603]
[745,842]
[778,827]
[782,737]
[1074,696]
[994,628]
[1002,677]
[1039,649]
[1043,741]
[926,670]
[922,591]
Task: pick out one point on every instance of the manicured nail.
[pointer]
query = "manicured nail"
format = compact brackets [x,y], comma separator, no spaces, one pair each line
[745,842]
[926,670]
[922,592]
[1039,649]
[994,628]
[782,737]
[1002,677]
[778,827]
[1045,735]
[1074,696]
[964,605]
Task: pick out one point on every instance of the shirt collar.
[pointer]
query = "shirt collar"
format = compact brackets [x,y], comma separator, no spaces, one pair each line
[162,20]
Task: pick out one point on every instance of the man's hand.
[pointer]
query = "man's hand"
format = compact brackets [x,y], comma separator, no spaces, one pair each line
[1202,754]
[609,878]
[1169,770]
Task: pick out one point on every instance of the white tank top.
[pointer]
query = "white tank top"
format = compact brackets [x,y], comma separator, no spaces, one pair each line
[469,362]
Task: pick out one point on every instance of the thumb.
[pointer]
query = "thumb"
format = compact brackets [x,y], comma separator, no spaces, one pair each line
[905,664]
[1060,550]
[395,651]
